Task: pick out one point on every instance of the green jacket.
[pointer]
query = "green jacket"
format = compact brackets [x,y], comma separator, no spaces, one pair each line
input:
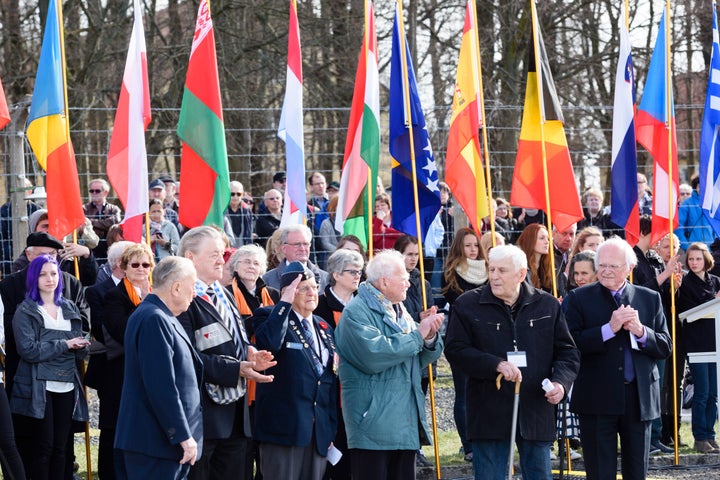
[380,371]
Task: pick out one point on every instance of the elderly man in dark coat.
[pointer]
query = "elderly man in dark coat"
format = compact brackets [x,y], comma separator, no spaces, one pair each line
[512,329]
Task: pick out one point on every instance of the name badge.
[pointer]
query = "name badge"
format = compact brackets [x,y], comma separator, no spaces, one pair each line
[294,345]
[519,359]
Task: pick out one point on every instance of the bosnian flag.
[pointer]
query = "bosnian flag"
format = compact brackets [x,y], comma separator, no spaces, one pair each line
[709,135]
[290,130]
[127,159]
[655,122]
[624,194]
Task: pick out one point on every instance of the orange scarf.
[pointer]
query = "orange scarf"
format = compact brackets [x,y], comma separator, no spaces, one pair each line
[244,309]
[132,293]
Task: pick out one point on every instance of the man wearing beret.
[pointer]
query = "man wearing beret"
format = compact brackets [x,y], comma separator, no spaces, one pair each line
[12,291]
[296,415]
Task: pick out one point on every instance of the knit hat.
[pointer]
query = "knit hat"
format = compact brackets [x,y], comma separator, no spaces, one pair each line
[292,271]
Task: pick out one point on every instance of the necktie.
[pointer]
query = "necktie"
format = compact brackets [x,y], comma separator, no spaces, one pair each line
[629,367]
[310,339]
[227,319]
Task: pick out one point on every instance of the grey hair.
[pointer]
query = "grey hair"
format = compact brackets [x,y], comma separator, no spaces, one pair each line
[511,252]
[171,269]
[286,231]
[194,237]
[236,183]
[340,259]
[116,250]
[105,184]
[384,264]
[252,251]
[628,252]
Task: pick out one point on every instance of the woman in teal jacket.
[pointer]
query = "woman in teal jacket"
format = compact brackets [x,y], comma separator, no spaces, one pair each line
[382,353]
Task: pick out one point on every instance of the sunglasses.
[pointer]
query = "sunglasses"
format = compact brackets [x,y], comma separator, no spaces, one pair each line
[92,190]
[236,194]
[145,265]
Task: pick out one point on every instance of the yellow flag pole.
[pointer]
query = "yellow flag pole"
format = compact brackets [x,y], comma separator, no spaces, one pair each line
[408,125]
[539,83]
[88,462]
[672,203]
[479,93]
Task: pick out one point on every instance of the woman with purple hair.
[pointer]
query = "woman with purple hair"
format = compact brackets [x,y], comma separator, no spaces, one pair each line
[47,393]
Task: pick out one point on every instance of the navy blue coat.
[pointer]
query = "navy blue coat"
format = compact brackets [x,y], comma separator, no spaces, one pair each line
[600,385]
[299,399]
[160,404]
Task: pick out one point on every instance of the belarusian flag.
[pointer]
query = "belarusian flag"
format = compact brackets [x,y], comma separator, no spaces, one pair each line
[362,147]
[204,174]
[127,158]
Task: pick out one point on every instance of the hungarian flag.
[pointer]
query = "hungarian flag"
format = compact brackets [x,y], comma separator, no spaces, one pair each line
[127,158]
[290,129]
[204,174]
[655,122]
[464,169]
[362,147]
[624,195]
[543,122]
[4,112]
[48,131]
[407,123]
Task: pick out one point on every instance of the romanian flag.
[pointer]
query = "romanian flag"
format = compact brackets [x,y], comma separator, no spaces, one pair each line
[128,158]
[543,122]
[290,129]
[624,194]
[362,147]
[48,131]
[464,170]
[655,122]
[407,121]
[4,112]
[204,174]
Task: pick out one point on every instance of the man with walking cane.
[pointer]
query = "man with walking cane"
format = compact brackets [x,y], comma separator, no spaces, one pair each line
[512,329]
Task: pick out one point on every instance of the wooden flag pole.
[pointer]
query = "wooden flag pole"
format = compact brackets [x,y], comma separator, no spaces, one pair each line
[672,202]
[409,126]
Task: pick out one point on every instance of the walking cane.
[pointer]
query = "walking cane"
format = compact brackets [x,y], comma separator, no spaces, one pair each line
[513,426]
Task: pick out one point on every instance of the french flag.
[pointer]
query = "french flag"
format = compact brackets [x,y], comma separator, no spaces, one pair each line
[709,147]
[624,193]
[290,129]
[656,132]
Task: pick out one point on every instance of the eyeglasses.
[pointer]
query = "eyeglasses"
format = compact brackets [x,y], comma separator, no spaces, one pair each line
[299,244]
[249,201]
[236,194]
[354,273]
[249,263]
[308,289]
[615,267]
[92,190]
[144,265]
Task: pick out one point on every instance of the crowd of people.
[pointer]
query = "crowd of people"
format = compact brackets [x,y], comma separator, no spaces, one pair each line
[252,351]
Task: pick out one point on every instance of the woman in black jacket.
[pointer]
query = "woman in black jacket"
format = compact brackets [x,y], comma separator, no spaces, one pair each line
[698,287]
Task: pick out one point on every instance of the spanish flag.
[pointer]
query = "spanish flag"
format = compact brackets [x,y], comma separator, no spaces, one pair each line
[48,131]
[464,170]
[542,141]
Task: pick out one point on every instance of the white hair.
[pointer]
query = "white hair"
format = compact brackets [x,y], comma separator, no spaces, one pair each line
[511,252]
[384,264]
[630,257]
[116,250]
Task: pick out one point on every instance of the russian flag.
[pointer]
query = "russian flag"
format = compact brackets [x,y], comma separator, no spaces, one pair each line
[290,129]
[656,132]
[624,193]
[709,148]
